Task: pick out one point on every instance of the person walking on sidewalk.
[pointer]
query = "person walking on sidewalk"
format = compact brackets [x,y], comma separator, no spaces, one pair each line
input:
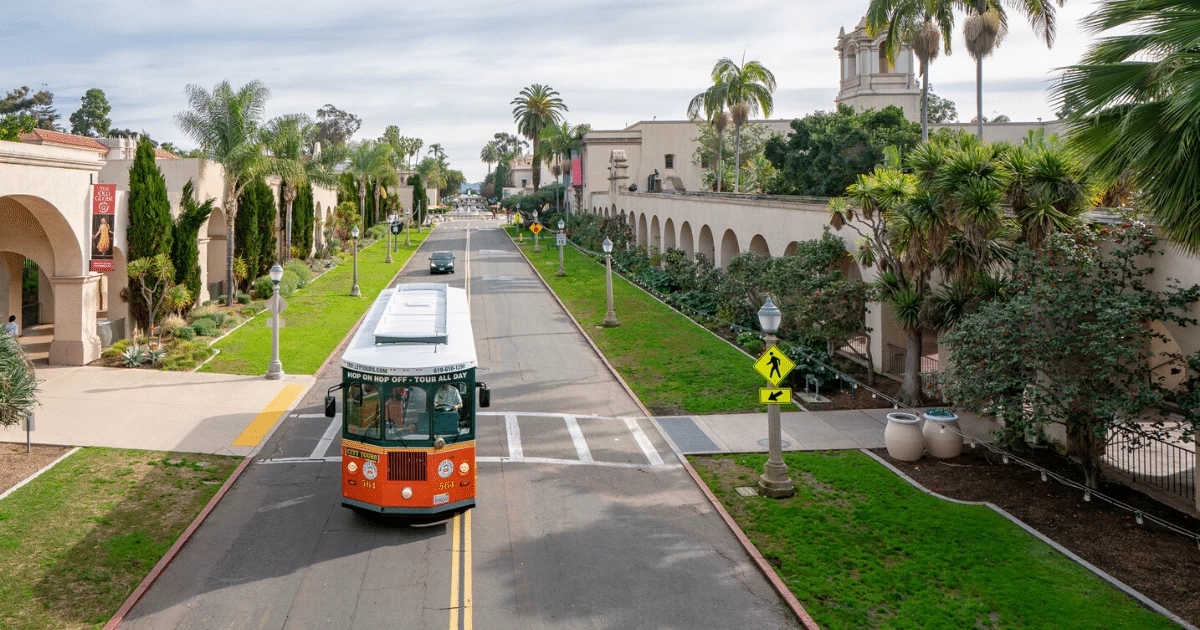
[11,328]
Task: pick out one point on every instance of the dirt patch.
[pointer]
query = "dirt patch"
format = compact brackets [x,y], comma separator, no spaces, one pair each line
[1159,563]
[16,464]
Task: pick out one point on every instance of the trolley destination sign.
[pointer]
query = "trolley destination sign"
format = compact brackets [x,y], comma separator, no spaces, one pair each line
[774,365]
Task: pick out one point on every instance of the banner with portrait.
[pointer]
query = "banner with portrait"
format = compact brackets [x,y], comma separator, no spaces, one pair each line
[104,223]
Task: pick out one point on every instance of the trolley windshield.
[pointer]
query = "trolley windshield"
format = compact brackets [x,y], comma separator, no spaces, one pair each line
[410,413]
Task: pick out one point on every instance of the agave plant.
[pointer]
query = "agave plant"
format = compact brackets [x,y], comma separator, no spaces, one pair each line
[156,355]
[134,356]
[18,383]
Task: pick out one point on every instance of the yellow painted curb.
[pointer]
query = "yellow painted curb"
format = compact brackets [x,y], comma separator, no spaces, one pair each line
[263,422]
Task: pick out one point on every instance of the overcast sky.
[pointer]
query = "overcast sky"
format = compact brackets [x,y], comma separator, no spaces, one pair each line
[446,71]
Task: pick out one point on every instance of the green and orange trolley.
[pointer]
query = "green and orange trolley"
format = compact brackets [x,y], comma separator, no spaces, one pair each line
[409,396]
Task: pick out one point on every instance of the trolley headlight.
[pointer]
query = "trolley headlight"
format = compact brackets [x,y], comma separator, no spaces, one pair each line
[464,468]
[406,493]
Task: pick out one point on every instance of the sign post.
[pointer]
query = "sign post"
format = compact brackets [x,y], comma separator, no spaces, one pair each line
[104,223]
[774,366]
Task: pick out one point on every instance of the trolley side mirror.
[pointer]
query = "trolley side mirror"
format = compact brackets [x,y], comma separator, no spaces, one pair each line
[485,395]
[330,406]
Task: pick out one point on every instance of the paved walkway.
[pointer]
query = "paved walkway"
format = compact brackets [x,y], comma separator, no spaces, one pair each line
[149,409]
[802,430]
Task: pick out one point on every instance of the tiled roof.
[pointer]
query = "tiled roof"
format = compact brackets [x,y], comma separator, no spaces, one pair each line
[45,136]
[163,154]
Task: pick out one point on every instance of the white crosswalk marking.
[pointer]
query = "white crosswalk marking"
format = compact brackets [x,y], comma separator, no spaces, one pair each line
[514,435]
[644,442]
[327,438]
[581,447]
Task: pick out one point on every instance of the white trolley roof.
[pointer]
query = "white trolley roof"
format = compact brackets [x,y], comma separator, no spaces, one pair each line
[414,330]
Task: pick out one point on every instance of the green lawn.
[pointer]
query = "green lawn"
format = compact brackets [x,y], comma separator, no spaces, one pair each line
[672,364]
[75,542]
[317,318]
[861,548]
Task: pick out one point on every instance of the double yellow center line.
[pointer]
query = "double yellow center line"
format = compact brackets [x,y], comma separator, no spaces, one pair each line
[460,562]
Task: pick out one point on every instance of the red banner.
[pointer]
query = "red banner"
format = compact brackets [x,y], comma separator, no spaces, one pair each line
[576,170]
[104,223]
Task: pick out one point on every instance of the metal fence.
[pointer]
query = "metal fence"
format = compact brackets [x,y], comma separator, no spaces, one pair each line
[1166,466]
[893,361]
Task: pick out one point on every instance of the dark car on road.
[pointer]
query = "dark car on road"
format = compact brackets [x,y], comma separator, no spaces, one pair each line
[441,262]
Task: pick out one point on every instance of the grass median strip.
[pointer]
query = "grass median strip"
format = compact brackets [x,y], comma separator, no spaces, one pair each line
[861,548]
[76,541]
[672,364]
[317,318]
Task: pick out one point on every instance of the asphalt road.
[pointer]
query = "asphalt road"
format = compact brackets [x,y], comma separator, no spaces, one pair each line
[585,519]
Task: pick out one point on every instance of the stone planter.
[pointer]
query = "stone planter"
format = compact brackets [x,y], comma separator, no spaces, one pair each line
[940,441]
[903,438]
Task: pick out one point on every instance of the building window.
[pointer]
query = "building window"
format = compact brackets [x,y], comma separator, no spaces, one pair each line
[884,66]
[524,183]
[670,161]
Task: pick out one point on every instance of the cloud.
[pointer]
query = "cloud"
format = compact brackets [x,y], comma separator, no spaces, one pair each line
[446,71]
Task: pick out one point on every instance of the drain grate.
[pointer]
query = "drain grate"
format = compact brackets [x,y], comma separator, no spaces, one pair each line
[687,436]
[747,491]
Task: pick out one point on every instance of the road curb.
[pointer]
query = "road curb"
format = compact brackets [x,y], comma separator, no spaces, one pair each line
[764,567]
[168,557]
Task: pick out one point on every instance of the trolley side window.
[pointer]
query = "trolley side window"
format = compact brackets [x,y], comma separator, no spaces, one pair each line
[407,411]
[362,410]
[453,410]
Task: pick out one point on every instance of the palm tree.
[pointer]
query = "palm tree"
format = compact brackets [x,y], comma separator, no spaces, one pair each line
[535,108]
[225,123]
[925,25]
[437,152]
[712,103]
[1132,106]
[747,90]
[986,27]
[490,154]
[290,140]
[366,160]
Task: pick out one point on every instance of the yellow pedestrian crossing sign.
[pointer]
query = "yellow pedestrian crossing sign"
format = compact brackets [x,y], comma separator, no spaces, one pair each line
[781,396]
[774,365]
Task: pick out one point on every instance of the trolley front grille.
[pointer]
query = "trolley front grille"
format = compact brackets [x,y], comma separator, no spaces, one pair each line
[405,466]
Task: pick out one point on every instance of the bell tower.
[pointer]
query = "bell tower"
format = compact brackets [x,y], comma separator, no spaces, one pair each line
[869,81]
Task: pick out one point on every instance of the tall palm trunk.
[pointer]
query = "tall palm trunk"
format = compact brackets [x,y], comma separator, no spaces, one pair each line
[737,158]
[537,165]
[289,199]
[924,100]
[231,208]
[910,388]
[979,96]
[376,211]
[362,206]
[717,156]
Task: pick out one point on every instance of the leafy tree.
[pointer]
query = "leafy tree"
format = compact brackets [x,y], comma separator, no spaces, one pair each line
[303,220]
[153,276]
[366,161]
[13,125]
[535,108]
[91,119]
[291,142]
[827,151]
[185,249]
[754,138]
[1132,107]
[420,201]
[925,25]
[334,126]
[150,223]
[39,105]
[226,125]
[1071,342]
[181,152]
[248,235]
[18,382]
[941,110]
[345,217]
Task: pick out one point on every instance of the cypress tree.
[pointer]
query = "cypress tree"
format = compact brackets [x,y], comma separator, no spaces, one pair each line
[185,250]
[247,243]
[267,237]
[150,223]
[303,214]
[149,208]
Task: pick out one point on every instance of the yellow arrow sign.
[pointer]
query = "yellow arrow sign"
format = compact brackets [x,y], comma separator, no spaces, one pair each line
[774,365]
[782,396]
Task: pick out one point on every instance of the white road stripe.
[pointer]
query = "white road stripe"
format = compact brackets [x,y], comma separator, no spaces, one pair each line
[301,460]
[330,432]
[565,462]
[581,447]
[542,414]
[308,415]
[643,442]
[514,435]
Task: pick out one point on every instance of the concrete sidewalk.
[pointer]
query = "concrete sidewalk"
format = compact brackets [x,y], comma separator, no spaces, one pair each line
[154,410]
[802,430]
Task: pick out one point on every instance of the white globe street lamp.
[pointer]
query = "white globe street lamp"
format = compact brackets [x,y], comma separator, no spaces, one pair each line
[774,481]
[354,292]
[275,367]
[391,226]
[610,318]
[537,242]
[561,270]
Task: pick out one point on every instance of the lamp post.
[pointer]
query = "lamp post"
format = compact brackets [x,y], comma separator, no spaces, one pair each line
[774,481]
[354,292]
[537,242]
[391,222]
[610,318]
[520,225]
[275,367]
[561,234]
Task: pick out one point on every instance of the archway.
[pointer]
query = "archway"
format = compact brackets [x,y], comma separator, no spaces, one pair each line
[215,264]
[729,248]
[758,245]
[792,248]
[655,235]
[117,313]
[643,237]
[705,247]
[686,242]
[68,295]
[669,235]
